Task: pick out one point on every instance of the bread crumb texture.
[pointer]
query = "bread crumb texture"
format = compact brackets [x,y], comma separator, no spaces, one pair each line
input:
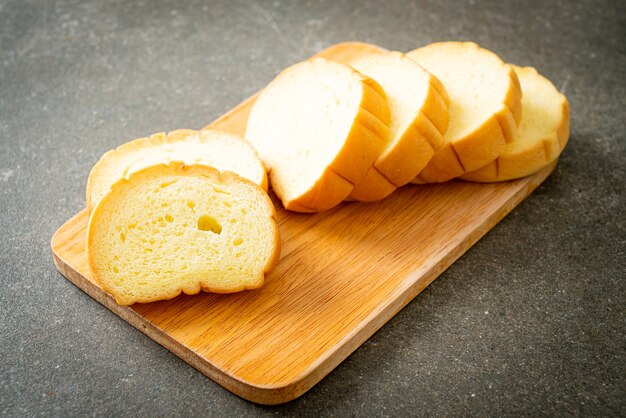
[178,228]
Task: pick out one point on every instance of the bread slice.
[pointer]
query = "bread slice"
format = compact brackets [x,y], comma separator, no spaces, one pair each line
[220,150]
[175,228]
[418,105]
[485,106]
[541,136]
[318,127]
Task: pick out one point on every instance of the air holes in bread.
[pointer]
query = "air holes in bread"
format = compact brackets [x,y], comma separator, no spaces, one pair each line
[220,190]
[167,183]
[209,223]
[175,251]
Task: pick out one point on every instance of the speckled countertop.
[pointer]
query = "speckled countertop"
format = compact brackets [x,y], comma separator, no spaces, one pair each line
[530,321]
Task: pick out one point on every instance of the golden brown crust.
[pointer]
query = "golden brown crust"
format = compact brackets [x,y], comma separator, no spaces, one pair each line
[366,139]
[510,115]
[422,138]
[532,158]
[438,101]
[329,189]
[375,186]
[368,134]
[158,138]
[179,168]
[563,131]
[109,154]
[399,164]
[483,145]
[443,166]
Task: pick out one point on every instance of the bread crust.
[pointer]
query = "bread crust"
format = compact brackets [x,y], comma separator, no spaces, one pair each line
[179,168]
[485,143]
[159,138]
[329,189]
[539,154]
[367,136]
[399,164]
[361,147]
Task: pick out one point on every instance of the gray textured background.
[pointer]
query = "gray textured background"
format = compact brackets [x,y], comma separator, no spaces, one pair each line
[530,321]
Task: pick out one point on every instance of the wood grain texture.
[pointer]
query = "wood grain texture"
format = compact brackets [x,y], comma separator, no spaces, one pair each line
[342,275]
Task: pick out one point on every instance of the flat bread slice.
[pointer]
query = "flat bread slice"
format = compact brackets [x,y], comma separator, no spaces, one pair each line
[485,107]
[221,150]
[175,228]
[541,136]
[418,105]
[318,127]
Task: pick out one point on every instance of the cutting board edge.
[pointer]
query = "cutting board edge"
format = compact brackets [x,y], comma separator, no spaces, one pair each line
[267,395]
[409,289]
[281,393]
[200,363]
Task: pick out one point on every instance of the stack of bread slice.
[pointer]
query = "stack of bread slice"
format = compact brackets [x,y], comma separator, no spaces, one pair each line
[485,106]
[180,212]
[220,150]
[189,211]
[359,129]
[506,122]
[418,107]
[542,134]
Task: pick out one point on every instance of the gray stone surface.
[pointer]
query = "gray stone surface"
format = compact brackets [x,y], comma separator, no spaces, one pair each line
[530,321]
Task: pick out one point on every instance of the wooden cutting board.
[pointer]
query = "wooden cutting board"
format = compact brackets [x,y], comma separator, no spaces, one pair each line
[342,275]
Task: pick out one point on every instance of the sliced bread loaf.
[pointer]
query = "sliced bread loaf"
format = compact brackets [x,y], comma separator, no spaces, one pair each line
[485,106]
[220,150]
[175,228]
[418,106]
[318,127]
[541,136]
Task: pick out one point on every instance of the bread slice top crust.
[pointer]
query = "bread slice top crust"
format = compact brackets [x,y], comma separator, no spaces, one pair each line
[418,105]
[542,134]
[178,228]
[318,127]
[485,106]
[223,151]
